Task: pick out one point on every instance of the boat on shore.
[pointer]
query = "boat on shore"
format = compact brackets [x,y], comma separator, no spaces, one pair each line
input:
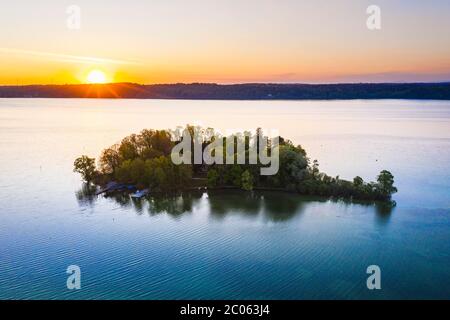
[114,186]
[140,193]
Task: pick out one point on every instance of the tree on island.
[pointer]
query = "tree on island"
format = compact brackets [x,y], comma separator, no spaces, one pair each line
[86,167]
[144,160]
[247,181]
[386,183]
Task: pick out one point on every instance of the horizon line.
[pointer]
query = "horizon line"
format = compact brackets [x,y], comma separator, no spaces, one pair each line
[224,84]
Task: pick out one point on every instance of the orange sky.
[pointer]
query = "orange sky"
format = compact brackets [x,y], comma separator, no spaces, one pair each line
[224,41]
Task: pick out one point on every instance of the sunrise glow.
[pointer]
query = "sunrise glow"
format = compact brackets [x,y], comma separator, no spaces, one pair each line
[96,76]
[169,43]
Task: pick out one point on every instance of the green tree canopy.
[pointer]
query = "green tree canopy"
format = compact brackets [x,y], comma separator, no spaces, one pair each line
[386,184]
[86,167]
[247,181]
[144,160]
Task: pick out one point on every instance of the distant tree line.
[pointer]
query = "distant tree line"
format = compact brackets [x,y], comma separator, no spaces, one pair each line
[251,91]
[144,160]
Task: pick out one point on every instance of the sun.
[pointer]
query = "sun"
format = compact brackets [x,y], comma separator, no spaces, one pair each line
[96,76]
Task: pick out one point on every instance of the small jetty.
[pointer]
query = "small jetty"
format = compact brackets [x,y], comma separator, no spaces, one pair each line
[110,186]
[114,186]
[140,193]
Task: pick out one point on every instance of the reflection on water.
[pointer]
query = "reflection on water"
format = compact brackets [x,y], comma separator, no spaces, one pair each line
[86,195]
[383,212]
[274,206]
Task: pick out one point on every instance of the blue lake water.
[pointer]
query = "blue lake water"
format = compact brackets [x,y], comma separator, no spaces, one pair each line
[228,245]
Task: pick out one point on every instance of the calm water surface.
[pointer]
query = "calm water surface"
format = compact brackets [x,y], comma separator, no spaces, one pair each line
[230,245]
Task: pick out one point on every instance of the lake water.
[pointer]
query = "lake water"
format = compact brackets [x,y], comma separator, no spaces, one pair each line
[231,245]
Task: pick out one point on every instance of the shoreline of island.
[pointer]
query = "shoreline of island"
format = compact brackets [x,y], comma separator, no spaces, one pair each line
[144,163]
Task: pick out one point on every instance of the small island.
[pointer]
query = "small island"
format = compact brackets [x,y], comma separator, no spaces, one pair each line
[141,163]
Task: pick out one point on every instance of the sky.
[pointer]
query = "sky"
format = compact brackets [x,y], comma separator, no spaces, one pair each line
[224,41]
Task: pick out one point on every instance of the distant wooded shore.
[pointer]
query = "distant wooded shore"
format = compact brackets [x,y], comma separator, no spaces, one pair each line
[250,91]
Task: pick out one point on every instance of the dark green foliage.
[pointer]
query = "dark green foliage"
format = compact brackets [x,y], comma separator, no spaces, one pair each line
[293,165]
[149,144]
[386,184]
[110,160]
[144,160]
[86,167]
[213,178]
[160,174]
[247,181]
